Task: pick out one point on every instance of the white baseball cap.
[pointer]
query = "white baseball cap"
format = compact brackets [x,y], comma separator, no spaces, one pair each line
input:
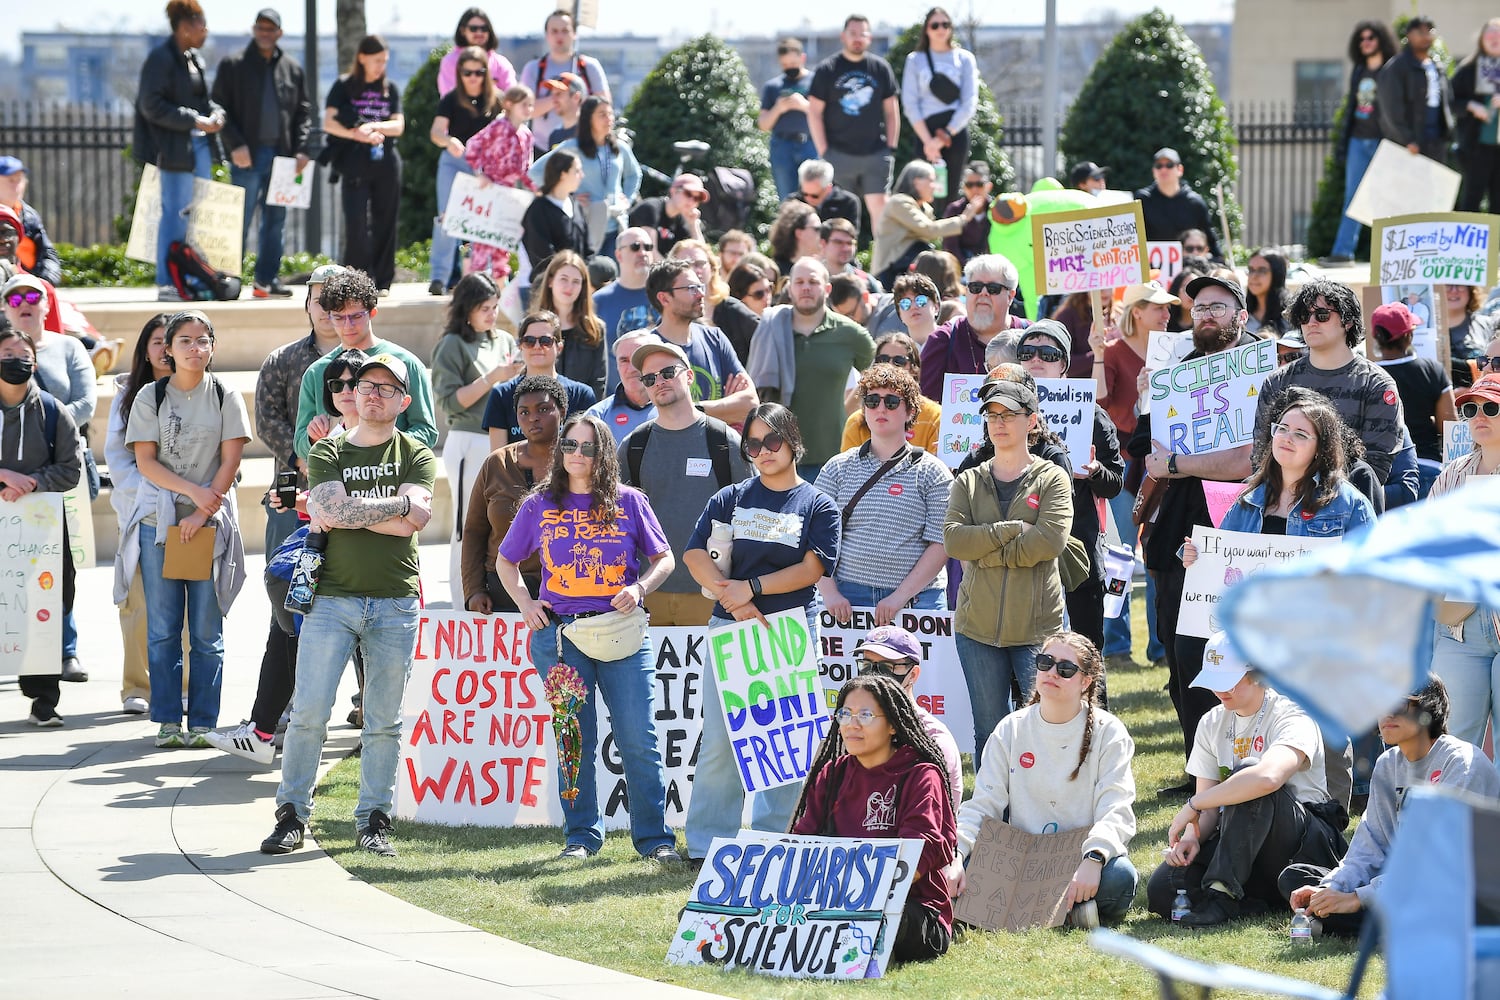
[1223,667]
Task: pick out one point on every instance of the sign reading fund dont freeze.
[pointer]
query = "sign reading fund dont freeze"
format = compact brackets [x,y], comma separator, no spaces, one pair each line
[1447,248]
[1207,404]
[770,695]
[1092,248]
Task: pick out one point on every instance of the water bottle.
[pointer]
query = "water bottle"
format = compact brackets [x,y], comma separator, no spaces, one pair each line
[1181,907]
[940,189]
[299,596]
[1302,928]
[377,151]
[720,545]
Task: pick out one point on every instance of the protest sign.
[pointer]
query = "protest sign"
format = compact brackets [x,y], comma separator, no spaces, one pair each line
[1430,338]
[941,688]
[79,516]
[1457,440]
[1018,880]
[1398,183]
[31,535]
[1089,248]
[1224,559]
[767,680]
[1165,258]
[1165,348]
[215,221]
[1068,409]
[1208,404]
[795,906]
[484,212]
[1439,248]
[962,430]
[1220,497]
[288,188]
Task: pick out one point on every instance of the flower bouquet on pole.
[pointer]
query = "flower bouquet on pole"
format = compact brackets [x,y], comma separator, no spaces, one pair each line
[565,691]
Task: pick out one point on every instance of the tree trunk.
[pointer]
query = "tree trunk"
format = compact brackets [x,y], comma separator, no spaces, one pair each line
[351,21]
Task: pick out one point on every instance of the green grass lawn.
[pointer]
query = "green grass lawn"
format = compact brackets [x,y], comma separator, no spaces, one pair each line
[618,911]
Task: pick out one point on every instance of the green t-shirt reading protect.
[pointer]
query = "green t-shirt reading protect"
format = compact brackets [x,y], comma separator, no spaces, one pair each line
[360,562]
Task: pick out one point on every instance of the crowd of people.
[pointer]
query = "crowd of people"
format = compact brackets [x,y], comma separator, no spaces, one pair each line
[741,434]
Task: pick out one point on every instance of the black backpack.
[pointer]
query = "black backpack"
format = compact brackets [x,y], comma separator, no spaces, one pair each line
[196,279]
[717,432]
[731,195]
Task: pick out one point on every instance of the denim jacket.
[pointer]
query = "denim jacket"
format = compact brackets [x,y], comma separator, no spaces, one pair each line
[1348,511]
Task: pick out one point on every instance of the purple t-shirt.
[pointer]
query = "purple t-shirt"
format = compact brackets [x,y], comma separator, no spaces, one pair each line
[584,563]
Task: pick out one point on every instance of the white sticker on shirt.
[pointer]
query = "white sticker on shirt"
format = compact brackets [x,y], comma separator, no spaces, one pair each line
[757,524]
[699,467]
[880,810]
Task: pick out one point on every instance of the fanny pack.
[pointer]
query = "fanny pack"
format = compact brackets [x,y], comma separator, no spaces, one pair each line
[943,86]
[612,635]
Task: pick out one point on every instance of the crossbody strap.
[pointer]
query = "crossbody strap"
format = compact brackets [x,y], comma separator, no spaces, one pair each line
[880,474]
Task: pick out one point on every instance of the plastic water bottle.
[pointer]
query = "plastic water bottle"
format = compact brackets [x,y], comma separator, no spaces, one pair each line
[1302,928]
[940,189]
[299,595]
[720,545]
[1181,907]
[377,151]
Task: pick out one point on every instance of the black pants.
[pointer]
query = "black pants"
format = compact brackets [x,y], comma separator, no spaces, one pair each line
[371,207]
[1184,658]
[920,936]
[46,688]
[956,158]
[1086,617]
[1481,167]
[278,676]
[1294,877]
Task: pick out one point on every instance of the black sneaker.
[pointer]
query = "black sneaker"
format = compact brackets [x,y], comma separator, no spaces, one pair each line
[1214,909]
[373,837]
[287,836]
[44,715]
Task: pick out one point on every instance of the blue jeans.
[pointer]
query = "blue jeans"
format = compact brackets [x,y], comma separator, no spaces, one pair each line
[167,601]
[1356,162]
[176,199]
[256,180]
[861,596]
[70,635]
[1117,637]
[629,689]
[1471,670]
[385,629]
[988,674]
[445,247]
[786,157]
[718,799]
[1117,883]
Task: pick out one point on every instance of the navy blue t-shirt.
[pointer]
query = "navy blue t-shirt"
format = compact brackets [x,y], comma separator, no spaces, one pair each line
[790,122]
[500,411]
[773,529]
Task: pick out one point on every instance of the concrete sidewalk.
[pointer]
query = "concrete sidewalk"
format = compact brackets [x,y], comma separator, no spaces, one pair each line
[124,868]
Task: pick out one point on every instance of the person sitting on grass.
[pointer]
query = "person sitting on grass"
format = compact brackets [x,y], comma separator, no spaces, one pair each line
[1421,752]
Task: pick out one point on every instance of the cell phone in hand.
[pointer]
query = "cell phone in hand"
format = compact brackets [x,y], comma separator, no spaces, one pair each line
[286,489]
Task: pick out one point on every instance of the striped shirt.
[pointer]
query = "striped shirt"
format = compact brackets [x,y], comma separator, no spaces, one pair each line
[894,521]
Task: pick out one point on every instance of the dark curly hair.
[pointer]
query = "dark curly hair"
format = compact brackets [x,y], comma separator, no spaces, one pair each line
[1383,35]
[348,286]
[546,384]
[1326,472]
[878,377]
[604,485]
[1339,297]
[792,216]
[1091,665]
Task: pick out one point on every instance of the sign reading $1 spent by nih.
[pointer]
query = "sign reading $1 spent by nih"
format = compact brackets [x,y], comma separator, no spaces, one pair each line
[1443,248]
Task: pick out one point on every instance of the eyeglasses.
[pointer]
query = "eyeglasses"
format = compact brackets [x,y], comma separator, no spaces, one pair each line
[1299,436]
[771,442]
[568,446]
[1002,416]
[899,360]
[1471,410]
[477,27]
[666,374]
[1259,271]
[1490,364]
[638,247]
[873,400]
[530,341]
[1163,165]
[31,297]
[935,25]
[1046,352]
[348,319]
[1322,314]
[472,73]
[1195,248]
[201,343]
[367,388]
[862,718]
[906,302]
[343,384]
[1064,668]
[758,293]
[1214,309]
[993,287]
[694,289]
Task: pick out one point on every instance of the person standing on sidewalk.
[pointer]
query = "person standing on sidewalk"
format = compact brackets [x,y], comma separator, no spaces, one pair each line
[1416,106]
[1371,45]
[267,114]
[372,492]
[783,113]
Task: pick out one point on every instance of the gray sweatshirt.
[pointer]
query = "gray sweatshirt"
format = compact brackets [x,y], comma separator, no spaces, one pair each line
[23,444]
[63,368]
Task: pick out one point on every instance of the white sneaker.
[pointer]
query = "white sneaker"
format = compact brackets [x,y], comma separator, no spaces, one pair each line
[242,742]
[136,706]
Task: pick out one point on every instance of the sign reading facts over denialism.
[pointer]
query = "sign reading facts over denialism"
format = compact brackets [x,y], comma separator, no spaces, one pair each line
[1092,248]
[1445,248]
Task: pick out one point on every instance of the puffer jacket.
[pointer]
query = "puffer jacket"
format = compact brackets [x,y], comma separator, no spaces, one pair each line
[1011,594]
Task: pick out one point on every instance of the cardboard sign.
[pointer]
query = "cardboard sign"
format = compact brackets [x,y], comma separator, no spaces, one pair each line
[31,536]
[1068,409]
[1447,248]
[1425,302]
[288,188]
[1398,182]
[798,907]
[1165,258]
[769,693]
[1458,441]
[962,430]
[1018,880]
[484,212]
[1208,404]
[1090,248]
[1224,559]
[216,220]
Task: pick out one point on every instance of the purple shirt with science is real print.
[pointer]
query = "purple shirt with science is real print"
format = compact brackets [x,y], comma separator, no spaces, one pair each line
[585,562]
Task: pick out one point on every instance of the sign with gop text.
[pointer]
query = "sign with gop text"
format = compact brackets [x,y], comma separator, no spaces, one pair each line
[1089,249]
[1224,559]
[962,430]
[1165,258]
[1207,404]
[31,536]
[484,212]
[1443,248]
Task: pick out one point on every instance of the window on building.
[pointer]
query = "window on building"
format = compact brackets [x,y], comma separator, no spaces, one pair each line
[1317,87]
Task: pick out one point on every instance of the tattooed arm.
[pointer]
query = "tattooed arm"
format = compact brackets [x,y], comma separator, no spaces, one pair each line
[331,505]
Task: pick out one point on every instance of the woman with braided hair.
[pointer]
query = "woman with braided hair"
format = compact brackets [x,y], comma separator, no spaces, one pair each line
[1059,764]
[878,774]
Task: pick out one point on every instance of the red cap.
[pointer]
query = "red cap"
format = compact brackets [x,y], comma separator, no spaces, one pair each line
[1395,319]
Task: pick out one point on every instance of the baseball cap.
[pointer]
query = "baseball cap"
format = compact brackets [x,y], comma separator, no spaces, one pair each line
[11,165]
[1049,328]
[24,280]
[1088,170]
[1222,665]
[1484,389]
[1203,281]
[1418,21]
[1012,387]
[390,363]
[323,272]
[691,184]
[1166,153]
[657,346]
[565,82]
[1394,318]
[1292,338]
[267,14]
[1151,291]
[892,641]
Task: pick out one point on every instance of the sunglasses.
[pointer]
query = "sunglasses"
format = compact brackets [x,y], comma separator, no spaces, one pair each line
[899,360]
[936,25]
[1471,410]
[342,384]
[1367,38]
[886,667]
[472,73]
[1064,668]
[973,185]
[530,341]
[873,400]
[568,446]
[31,297]
[1195,248]
[477,27]
[666,374]
[1322,315]
[638,247]
[906,302]
[1491,364]
[759,293]
[1163,165]
[993,287]
[771,442]
[1046,352]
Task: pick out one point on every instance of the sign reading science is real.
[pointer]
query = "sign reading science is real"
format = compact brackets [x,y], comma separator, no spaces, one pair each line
[1090,249]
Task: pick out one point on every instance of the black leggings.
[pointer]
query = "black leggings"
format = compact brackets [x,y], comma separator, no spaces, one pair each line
[371,207]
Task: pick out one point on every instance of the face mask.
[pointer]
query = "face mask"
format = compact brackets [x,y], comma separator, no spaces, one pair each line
[17,371]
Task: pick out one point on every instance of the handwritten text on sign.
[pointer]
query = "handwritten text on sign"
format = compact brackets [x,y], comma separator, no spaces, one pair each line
[31,536]
[1224,559]
[288,188]
[1450,248]
[1088,249]
[215,220]
[962,430]
[1018,880]
[1208,404]
[482,212]
[1068,409]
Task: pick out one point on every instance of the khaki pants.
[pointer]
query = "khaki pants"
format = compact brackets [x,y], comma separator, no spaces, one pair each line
[679,609]
[136,682]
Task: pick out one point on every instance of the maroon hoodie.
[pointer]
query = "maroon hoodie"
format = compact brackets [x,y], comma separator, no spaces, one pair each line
[900,798]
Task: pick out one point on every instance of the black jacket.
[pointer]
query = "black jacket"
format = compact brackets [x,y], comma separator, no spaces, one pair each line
[237,86]
[545,230]
[1403,100]
[167,109]
[1167,218]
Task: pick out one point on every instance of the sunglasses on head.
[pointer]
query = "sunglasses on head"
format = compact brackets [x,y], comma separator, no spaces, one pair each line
[666,374]
[568,446]
[899,360]
[993,287]
[873,400]
[771,442]
[530,341]
[471,73]
[1064,668]
[31,297]
[1046,352]
[906,302]
[1471,410]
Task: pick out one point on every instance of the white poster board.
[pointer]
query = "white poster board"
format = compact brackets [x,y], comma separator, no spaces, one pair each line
[1207,404]
[1165,348]
[1399,182]
[216,220]
[288,188]
[484,212]
[1165,258]
[962,429]
[1457,440]
[31,536]
[1224,559]
[1068,409]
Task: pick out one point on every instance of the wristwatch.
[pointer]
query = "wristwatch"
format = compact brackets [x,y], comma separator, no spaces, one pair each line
[1172,464]
[1095,855]
[755,586]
